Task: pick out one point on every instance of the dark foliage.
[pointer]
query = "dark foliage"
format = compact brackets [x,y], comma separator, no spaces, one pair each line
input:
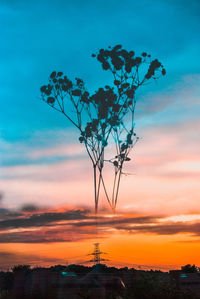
[139,284]
[190,269]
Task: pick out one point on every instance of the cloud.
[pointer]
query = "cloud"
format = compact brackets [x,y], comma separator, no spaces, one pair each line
[115,221]
[169,150]
[50,235]
[58,171]
[152,225]
[83,230]
[165,160]
[165,229]
[1,196]
[31,224]
[9,259]
[43,226]
[29,208]
[42,219]
[176,103]
[42,148]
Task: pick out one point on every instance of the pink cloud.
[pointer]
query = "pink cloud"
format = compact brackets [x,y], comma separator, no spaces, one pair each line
[165,170]
[70,150]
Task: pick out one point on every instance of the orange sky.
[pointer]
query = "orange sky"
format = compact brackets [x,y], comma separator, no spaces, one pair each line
[139,241]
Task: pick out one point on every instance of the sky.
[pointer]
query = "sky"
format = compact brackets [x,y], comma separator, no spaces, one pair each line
[46,205]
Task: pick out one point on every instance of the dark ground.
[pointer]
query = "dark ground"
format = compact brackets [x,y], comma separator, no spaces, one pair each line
[100,281]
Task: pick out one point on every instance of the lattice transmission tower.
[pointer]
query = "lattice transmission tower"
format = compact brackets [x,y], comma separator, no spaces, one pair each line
[97,255]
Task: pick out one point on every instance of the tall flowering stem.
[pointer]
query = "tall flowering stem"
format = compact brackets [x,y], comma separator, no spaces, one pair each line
[107,115]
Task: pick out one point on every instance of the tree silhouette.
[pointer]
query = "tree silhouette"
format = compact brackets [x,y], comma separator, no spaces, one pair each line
[190,268]
[107,115]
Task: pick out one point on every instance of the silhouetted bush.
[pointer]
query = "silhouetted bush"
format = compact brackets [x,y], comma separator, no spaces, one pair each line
[190,269]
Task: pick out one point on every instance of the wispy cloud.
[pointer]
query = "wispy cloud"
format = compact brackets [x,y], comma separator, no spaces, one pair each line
[48,226]
[42,219]
[165,228]
[165,157]
[9,259]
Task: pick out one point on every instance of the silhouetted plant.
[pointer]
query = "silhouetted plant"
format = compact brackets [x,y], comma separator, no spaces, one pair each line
[108,113]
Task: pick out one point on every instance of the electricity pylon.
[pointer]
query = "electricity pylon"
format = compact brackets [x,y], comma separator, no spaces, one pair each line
[97,255]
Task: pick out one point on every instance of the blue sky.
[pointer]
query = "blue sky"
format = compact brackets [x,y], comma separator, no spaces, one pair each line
[41,36]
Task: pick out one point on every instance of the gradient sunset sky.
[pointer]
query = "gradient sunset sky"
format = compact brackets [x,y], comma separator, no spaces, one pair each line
[46,203]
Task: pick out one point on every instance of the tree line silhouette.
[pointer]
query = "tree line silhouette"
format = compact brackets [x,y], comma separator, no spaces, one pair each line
[24,282]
